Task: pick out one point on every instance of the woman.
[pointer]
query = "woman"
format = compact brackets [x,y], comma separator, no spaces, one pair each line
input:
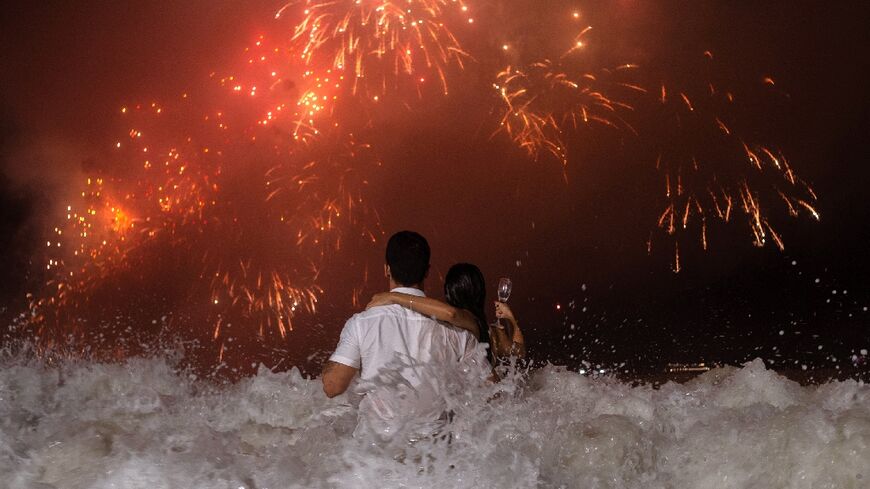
[465,291]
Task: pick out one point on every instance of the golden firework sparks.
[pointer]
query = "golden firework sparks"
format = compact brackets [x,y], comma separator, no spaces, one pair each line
[541,103]
[240,196]
[381,44]
[243,208]
[710,170]
[545,101]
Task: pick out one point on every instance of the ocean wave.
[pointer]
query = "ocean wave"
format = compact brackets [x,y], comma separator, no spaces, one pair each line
[142,424]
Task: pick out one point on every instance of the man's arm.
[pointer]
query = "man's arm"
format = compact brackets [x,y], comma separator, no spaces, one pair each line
[336,378]
[430,307]
[344,363]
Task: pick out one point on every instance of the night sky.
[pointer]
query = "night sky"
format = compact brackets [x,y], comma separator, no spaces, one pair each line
[574,243]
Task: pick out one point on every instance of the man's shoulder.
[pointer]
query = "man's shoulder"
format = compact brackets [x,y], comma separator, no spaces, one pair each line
[376,313]
[388,313]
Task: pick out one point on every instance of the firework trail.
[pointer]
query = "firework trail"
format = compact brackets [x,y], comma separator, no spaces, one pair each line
[541,104]
[543,101]
[381,45]
[265,242]
[711,172]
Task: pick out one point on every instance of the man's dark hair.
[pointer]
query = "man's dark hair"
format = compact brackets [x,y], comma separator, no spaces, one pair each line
[408,257]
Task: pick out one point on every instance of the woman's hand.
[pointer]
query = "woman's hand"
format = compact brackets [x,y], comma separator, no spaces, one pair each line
[509,342]
[380,299]
[503,311]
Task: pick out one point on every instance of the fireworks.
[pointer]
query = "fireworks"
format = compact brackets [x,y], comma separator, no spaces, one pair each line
[541,103]
[711,172]
[234,208]
[83,251]
[547,99]
[234,197]
[381,44]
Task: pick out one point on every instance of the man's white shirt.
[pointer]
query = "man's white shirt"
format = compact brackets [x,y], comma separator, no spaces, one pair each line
[374,340]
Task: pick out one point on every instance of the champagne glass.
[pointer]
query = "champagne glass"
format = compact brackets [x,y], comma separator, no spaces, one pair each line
[504,289]
[504,292]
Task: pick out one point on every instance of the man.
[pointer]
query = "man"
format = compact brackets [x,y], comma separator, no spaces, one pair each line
[385,342]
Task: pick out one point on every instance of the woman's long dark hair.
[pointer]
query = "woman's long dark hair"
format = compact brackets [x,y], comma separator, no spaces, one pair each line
[465,288]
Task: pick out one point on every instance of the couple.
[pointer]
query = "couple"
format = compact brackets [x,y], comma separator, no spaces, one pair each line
[403,325]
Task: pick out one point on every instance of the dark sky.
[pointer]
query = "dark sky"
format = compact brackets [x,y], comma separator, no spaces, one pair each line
[68,66]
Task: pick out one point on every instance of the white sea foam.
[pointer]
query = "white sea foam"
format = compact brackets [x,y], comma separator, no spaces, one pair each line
[141,425]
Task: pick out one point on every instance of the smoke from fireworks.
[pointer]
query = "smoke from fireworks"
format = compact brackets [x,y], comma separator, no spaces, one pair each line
[243,208]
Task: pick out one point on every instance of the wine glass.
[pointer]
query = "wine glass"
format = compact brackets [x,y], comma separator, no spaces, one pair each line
[504,289]
[504,292]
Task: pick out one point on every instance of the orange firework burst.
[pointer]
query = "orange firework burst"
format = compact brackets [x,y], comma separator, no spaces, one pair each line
[381,43]
[268,238]
[711,172]
[328,175]
[237,215]
[228,203]
[541,103]
[82,251]
[289,95]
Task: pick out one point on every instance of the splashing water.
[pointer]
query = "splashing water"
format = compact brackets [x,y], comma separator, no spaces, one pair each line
[140,424]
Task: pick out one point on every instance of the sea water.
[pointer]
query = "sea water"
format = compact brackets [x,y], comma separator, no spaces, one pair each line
[142,424]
